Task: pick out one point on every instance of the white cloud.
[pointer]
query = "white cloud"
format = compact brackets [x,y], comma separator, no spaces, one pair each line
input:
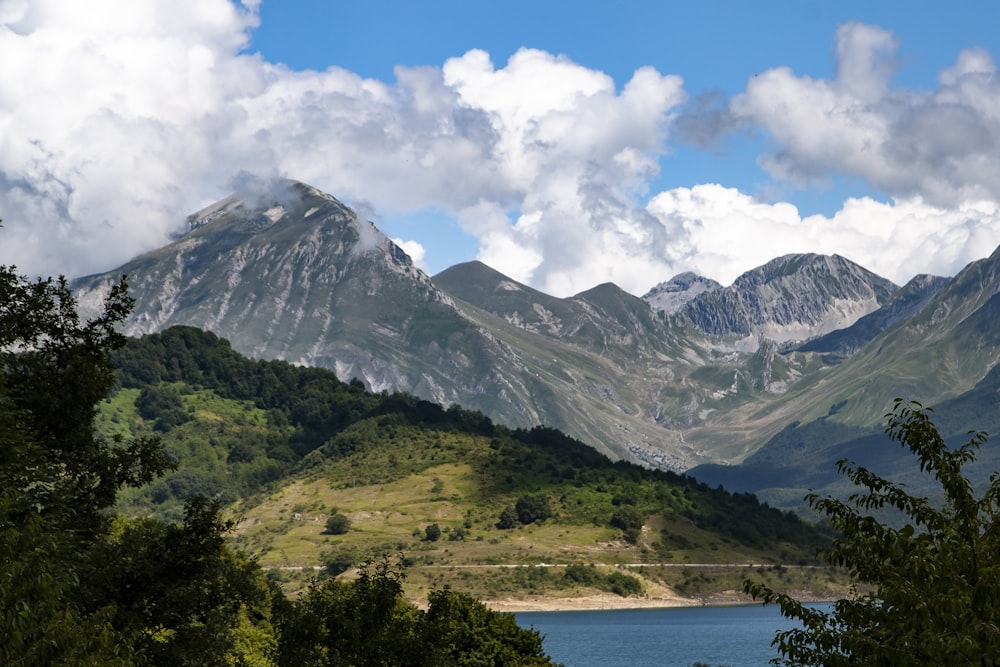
[118,120]
[415,250]
[720,232]
[119,123]
[940,145]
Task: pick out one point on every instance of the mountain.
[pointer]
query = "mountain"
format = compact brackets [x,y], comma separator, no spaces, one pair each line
[294,275]
[946,354]
[906,302]
[693,373]
[793,297]
[298,277]
[671,296]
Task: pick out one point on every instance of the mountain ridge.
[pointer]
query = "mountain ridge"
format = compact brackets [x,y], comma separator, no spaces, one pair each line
[291,273]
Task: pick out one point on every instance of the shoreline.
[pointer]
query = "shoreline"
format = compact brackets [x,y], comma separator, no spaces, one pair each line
[610,601]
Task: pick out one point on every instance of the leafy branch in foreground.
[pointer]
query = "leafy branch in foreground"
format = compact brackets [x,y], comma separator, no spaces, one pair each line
[934,583]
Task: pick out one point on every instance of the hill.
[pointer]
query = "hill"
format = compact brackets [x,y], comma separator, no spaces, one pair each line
[289,447]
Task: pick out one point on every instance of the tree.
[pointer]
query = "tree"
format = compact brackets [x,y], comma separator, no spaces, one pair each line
[508,519]
[532,508]
[57,479]
[432,533]
[177,590]
[930,588]
[338,524]
[459,630]
[361,622]
[44,346]
[77,585]
[368,622]
[630,521]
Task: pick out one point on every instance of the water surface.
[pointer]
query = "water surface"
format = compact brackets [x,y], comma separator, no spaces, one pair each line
[738,636]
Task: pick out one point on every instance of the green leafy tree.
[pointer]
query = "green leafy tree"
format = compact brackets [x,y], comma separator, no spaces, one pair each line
[177,590]
[338,524]
[432,533]
[57,479]
[459,630]
[362,622]
[342,559]
[508,519]
[629,520]
[77,586]
[532,508]
[931,587]
[367,622]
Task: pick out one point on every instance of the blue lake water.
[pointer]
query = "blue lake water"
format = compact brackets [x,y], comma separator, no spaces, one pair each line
[737,636]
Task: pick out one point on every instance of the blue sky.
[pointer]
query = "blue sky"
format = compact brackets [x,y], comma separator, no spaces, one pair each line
[564,143]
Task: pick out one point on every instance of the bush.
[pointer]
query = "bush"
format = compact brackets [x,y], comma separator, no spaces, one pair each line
[629,520]
[623,584]
[337,524]
[432,533]
[532,508]
[586,575]
[341,560]
[508,519]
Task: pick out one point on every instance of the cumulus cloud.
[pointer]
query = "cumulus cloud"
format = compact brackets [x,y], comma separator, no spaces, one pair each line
[119,121]
[939,145]
[116,121]
[721,232]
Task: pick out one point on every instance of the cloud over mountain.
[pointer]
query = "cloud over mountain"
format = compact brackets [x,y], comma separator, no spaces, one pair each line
[117,121]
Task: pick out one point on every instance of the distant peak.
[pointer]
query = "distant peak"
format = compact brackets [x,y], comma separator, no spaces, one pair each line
[670,296]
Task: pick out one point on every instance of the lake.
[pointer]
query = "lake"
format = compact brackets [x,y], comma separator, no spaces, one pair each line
[738,636]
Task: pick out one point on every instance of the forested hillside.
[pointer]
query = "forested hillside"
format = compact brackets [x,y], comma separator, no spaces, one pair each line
[81,585]
[290,448]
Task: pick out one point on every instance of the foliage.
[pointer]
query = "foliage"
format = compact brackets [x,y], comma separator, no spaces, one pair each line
[432,533]
[176,588]
[462,631]
[618,583]
[508,519]
[586,575]
[630,521]
[363,622]
[934,583]
[367,622]
[338,524]
[532,508]
[623,584]
[340,560]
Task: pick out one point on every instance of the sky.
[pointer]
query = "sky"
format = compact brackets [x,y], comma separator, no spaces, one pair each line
[563,143]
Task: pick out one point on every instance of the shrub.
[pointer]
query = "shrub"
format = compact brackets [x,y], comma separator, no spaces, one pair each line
[337,524]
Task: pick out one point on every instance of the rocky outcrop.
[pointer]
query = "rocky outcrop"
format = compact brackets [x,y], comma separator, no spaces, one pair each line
[794,297]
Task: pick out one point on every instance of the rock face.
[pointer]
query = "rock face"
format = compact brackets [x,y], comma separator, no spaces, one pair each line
[794,297]
[297,277]
[692,373]
[671,296]
[906,302]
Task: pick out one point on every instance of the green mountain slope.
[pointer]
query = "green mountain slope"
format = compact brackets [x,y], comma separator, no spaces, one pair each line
[290,446]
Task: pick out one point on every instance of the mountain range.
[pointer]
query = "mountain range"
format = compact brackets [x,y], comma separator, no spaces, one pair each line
[800,357]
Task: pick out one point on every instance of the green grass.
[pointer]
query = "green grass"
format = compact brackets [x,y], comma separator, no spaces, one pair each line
[451,480]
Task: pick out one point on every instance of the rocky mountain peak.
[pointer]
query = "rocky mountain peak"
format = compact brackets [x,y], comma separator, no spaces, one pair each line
[270,267]
[670,296]
[793,297]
